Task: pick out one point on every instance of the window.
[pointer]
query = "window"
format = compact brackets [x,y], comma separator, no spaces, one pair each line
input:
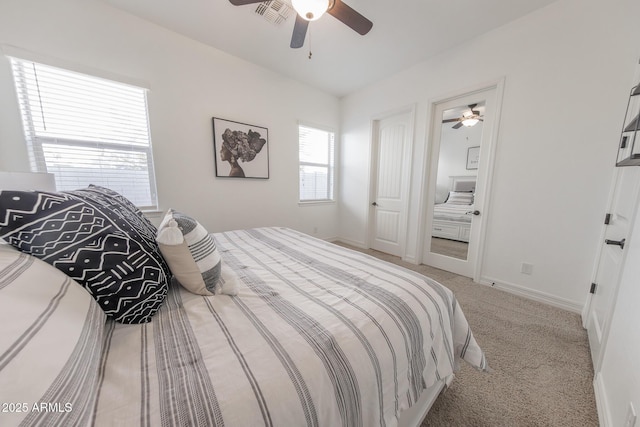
[316,164]
[86,130]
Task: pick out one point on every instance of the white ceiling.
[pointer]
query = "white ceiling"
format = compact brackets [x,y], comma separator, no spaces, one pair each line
[404,33]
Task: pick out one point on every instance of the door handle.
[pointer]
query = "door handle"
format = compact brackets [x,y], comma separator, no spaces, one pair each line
[615,242]
[473,213]
[374,204]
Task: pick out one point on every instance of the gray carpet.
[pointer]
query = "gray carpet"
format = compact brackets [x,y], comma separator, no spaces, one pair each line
[539,355]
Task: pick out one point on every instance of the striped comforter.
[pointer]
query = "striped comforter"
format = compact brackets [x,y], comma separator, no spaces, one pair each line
[452,212]
[318,335]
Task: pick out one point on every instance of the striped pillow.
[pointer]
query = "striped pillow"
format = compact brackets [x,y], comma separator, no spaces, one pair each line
[460,198]
[190,252]
[51,342]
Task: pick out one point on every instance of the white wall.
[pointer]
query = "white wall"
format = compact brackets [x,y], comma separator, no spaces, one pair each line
[567,70]
[452,160]
[190,83]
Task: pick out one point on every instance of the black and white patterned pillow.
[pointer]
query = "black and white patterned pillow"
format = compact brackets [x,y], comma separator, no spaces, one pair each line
[96,239]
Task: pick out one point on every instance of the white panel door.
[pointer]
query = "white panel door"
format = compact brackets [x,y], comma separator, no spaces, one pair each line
[607,274]
[392,149]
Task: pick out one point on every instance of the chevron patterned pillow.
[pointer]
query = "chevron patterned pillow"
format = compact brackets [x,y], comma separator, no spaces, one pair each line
[95,239]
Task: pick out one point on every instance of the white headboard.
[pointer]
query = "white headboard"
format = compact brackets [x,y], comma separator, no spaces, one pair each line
[463,183]
[27,181]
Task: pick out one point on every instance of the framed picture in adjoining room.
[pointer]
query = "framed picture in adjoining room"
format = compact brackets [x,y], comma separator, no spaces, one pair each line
[241,150]
[473,157]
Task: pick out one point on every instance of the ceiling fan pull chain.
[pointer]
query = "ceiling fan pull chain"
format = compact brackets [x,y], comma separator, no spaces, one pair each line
[309,38]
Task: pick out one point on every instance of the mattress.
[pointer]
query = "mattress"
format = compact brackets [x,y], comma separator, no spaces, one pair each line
[318,335]
[452,212]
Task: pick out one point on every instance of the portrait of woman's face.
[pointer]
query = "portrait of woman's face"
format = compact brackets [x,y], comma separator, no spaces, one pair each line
[225,154]
[240,149]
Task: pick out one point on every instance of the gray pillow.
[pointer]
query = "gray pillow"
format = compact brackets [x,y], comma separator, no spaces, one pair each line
[190,252]
[460,198]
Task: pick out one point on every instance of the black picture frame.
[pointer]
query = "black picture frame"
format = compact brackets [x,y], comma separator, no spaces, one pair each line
[241,150]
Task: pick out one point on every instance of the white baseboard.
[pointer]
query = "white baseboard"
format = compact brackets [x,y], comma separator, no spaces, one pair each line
[505,286]
[532,294]
[411,259]
[408,258]
[604,415]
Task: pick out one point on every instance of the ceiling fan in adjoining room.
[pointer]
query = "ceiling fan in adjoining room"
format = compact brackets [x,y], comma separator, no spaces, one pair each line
[469,118]
[311,10]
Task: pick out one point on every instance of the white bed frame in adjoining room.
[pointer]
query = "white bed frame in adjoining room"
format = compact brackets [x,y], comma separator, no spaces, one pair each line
[454,230]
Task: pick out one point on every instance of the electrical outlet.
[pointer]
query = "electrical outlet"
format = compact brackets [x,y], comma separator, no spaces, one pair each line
[631,416]
[526,268]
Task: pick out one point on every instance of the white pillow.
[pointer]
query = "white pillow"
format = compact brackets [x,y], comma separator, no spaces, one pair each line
[51,341]
[191,254]
[460,198]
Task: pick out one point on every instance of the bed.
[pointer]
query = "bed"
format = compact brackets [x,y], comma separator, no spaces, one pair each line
[312,334]
[452,218]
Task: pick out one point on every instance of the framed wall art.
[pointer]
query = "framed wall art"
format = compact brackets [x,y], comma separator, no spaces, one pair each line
[241,150]
[473,157]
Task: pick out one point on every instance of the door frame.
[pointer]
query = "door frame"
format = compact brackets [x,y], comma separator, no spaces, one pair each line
[586,308]
[410,110]
[587,313]
[428,176]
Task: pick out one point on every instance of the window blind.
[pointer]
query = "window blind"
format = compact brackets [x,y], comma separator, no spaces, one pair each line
[316,164]
[86,130]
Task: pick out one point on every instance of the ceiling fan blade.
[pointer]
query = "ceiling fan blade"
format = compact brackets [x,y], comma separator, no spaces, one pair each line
[457,125]
[299,32]
[450,120]
[350,17]
[243,2]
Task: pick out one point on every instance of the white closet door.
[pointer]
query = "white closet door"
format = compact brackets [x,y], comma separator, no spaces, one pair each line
[392,147]
[621,212]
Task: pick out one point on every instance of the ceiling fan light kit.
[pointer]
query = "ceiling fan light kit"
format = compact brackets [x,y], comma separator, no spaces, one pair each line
[468,119]
[310,9]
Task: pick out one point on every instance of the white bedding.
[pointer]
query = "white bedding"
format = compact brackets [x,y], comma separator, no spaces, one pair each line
[318,335]
[452,212]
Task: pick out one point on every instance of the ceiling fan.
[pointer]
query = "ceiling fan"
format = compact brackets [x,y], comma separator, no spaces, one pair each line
[468,118]
[310,10]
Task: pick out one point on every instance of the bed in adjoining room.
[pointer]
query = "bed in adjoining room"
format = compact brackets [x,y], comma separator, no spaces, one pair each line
[294,331]
[452,217]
